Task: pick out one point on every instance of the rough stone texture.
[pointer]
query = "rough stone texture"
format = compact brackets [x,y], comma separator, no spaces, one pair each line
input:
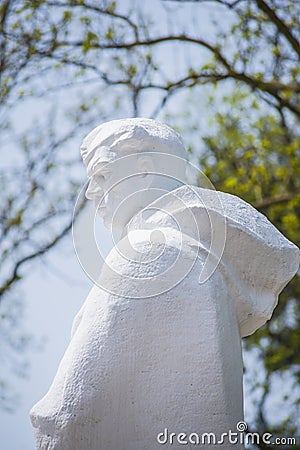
[165,352]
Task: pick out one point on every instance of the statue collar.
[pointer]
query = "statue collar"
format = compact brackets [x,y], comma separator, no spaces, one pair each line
[256,258]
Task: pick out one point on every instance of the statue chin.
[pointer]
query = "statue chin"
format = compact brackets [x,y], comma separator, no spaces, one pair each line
[110,223]
[106,221]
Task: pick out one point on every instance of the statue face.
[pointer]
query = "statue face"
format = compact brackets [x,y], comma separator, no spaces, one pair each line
[122,185]
[114,187]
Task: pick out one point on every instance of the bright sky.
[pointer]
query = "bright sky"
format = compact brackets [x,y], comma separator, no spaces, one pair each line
[54,292]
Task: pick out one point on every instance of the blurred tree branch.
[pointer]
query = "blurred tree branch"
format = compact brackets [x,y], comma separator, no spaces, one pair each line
[120,54]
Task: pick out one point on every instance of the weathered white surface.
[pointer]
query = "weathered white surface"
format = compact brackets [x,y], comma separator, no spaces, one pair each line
[257,260]
[165,352]
[122,158]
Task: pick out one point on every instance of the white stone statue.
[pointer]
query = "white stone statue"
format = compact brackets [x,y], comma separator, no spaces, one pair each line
[155,356]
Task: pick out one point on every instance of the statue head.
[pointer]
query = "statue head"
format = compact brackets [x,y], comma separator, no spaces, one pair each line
[131,163]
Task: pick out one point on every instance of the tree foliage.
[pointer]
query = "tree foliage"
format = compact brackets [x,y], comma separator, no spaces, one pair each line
[234,64]
[259,160]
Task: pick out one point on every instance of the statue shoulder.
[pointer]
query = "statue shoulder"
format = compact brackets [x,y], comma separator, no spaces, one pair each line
[148,262]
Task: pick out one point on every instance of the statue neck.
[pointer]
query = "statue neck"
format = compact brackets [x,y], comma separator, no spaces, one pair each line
[139,201]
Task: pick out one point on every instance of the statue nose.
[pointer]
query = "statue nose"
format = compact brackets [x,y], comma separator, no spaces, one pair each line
[94,189]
